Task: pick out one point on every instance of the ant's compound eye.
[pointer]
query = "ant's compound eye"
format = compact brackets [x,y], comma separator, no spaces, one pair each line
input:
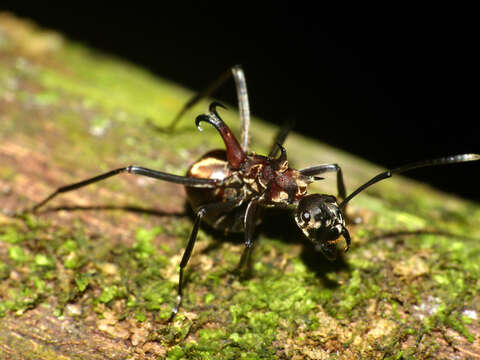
[306,216]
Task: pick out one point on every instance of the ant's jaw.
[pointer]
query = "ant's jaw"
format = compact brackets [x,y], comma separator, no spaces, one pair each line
[325,240]
[329,250]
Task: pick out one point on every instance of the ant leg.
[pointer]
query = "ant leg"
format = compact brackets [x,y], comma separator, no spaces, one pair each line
[242,98]
[184,180]
[280,138]
[218,207]
[206,92]
[320,169]
[249,225]
[243,105]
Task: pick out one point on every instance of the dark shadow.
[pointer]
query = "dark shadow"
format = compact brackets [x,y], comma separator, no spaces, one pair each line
[403,233]
[279,224]
[276,224]
[318,263]
[218,237]
[180,129]
[133,209]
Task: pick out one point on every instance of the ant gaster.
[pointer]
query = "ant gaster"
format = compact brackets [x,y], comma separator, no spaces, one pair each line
[227,187]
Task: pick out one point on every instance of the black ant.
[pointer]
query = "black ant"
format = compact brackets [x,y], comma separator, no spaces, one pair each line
[227,187]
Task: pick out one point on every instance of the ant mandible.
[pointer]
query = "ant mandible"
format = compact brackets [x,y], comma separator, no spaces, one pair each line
[227,187]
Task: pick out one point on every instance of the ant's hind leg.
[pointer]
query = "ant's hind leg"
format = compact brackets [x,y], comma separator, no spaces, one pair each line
[242,97]
[137,170]
[206,92]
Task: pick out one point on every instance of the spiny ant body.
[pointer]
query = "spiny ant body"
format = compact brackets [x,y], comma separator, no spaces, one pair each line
[227,188]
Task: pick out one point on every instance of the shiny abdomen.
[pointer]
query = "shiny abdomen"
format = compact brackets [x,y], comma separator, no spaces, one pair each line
[214,165]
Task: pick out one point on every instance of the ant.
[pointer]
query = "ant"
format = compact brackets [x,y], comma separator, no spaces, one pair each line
[227,188]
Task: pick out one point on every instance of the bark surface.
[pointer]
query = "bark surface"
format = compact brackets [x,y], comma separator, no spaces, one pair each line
[93,275]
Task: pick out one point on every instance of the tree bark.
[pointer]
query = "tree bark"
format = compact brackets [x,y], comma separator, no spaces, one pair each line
[93,274]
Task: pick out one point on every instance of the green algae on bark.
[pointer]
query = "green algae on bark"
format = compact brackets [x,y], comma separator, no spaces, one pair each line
[94,274]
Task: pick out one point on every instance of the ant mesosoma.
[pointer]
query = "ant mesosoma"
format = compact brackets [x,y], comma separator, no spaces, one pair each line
[227,187]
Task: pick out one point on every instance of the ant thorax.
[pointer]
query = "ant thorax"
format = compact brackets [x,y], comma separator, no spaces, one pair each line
[273,180]
[269,179]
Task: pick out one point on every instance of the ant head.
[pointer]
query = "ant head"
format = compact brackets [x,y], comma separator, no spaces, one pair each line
[321,220]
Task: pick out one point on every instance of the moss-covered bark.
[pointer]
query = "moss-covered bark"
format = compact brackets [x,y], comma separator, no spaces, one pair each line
[94,274]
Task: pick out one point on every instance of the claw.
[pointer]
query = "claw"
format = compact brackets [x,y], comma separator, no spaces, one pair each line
[201,118]
[346,236]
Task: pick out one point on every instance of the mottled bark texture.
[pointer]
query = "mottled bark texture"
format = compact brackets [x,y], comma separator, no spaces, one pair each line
[93,275]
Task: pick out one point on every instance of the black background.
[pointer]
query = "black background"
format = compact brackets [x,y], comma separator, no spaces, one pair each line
[391,84]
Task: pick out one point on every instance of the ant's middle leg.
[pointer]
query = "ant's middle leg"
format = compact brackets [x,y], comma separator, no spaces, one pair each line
[200,213]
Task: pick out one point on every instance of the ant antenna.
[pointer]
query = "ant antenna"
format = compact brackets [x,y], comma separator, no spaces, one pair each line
[419,164]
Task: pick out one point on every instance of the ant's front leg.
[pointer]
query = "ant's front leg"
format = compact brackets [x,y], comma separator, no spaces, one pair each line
[320,169]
